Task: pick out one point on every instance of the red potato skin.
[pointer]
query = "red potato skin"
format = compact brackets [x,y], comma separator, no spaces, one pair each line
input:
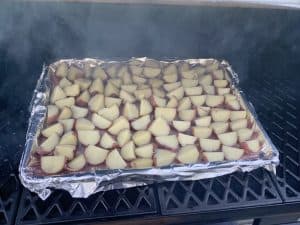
[81,169]
[52,119]
[247,151]
[81,103]
[40,151]
[164,146]
[55,80]
[152,101]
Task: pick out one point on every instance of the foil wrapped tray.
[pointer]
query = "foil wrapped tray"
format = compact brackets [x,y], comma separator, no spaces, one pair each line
[92,179]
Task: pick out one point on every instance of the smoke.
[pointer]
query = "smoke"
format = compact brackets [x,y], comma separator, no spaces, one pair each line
[37,32]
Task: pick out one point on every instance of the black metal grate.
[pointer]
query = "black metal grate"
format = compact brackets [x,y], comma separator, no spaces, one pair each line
[277,105]
[234,190]
[61,207]
[9,193]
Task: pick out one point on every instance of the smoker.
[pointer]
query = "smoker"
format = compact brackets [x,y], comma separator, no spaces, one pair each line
[260,40]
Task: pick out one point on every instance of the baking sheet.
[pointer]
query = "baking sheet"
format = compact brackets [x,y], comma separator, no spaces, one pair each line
[83,184]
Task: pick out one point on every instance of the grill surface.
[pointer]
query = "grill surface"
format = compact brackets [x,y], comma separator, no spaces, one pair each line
[230,191]
[9,193]
[276,103]
[262,45]
[61,207]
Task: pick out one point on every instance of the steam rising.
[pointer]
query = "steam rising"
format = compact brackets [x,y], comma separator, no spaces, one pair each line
[47,31]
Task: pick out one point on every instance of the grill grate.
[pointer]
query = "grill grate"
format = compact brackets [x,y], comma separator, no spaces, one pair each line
[9,193]
[233,190]
[60,207]
[276,105]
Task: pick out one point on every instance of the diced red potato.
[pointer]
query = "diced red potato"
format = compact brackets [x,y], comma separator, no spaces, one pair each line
[163,157]
[206,80]
[110,101]
[191,91]
[107,141]
[128,151]
[88,137]
[49,144]
[84,124]
[188,154]
[145,107]
[75,73]
[100,122]
[209,145]
[52,113]
[56,128]
[118,125]
[185,139]
[95,155]
[213,156]
[57,94]
[220,115]
[187,114]
[65,113]
[99,73]
[181,126]
[198,100]
[251,146]
[177,93]
[141,163]
[83,83]
[203,111]
[219,127]
[68,124]
[130,111]
[203,121]
[79,112]
[64,82]
[167,114]
[189,83]
[144,151]
[223,91]
[214,100]
[52,164]
[172,86]
[65,102]
[141,137]
[233,104]
[76,164]
[65,150]
[238,124]
[83,99]
[202,132]
[72,90]
[220,83]
[232,153]
[96,102]
[123,137]
[61,70]
[229,139]
[114,160]
[110,113]
[68,138]
[168,141]
[210,90]
[236,115]
[184,103]
[218,74]
[172,103]
[244,134]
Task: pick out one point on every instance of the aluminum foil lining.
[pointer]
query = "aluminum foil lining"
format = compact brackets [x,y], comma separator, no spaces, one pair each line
[84,184]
